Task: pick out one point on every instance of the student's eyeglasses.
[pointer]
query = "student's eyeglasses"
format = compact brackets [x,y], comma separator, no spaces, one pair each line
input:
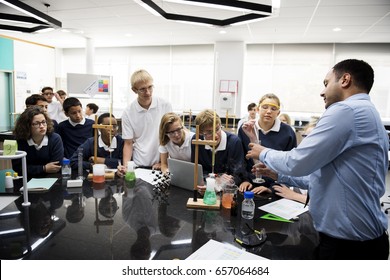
[267,107]
[209,133]
[174,132]
[48,93]
[145,89]
[38,124]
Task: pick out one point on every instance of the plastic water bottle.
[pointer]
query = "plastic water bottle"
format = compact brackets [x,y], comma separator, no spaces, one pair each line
[210,197]
[130,175]
[9,183]
[248,206]
[66,171]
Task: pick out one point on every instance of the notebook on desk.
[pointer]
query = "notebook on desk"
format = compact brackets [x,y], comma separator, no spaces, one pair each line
[182,174]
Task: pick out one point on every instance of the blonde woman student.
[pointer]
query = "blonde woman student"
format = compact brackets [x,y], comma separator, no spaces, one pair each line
[175,140]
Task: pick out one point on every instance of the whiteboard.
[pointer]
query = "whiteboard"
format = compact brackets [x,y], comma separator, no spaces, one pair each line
[89,85]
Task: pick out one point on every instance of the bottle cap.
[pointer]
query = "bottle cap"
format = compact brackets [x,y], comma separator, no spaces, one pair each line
[248,194]
[16,174]
[130,166]
[8,173]
[65,161]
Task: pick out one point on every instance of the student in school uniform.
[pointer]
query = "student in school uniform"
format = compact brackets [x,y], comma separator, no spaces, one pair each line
[268,130]
[140,123]
[39,100]
[34,134]
[229,158]
[175,140]
[109,150]
[54,108]
[77,129]
[91,110]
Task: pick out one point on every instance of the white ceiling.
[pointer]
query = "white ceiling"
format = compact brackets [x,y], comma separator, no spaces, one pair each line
[125,23]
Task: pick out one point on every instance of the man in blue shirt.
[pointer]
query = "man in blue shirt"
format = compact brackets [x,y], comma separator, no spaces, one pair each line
[343,163]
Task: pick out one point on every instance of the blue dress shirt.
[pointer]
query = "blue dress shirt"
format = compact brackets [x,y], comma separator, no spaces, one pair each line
[346,158]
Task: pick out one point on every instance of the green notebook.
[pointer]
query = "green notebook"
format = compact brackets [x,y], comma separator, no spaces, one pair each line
[40,184]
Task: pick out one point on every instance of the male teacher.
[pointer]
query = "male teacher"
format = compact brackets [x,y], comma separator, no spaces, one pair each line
[346,158]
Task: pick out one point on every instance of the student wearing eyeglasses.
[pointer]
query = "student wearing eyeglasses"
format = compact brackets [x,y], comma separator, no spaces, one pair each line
[34,134]
[109,146]
[140,123]
[54,108]
[267,130]
[229,154]
[175,140]
[39,100]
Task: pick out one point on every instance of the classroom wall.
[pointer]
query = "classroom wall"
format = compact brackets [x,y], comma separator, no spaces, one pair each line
[6,70]
[185,74]
[34,69]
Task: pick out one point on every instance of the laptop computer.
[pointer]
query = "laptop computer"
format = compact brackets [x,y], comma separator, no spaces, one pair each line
[182,174]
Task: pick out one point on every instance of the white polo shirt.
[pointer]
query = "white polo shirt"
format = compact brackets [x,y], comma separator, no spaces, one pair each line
[142,126]
[55,112]
[182,152]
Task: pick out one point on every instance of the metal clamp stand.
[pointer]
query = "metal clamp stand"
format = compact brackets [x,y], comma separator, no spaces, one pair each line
[22,155]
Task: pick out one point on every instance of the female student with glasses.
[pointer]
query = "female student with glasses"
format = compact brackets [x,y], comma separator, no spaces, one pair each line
[175,140]
[34,134]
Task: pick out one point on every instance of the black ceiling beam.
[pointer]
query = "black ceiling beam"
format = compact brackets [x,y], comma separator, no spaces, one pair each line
[21,18]
[30,9]
[216,22]
[22,29]
[237,4]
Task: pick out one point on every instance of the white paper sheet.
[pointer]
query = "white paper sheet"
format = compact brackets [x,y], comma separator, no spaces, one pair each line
[214,250]
[145,174]
[285,208]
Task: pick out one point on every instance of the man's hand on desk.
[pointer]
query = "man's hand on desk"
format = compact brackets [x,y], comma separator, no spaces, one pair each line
[156,166]
[52,167]
[245,186]
[121,170]
[202,190]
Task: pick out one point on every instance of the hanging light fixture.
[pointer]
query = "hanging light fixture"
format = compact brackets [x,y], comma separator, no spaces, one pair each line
[252,11]
[39,20]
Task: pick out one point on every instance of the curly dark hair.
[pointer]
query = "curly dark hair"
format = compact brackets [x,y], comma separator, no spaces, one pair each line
[22,129]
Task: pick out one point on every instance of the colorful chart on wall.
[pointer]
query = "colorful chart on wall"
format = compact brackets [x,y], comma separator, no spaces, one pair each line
[88,85]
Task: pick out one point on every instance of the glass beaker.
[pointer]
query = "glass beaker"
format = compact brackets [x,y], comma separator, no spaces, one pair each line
[228,192]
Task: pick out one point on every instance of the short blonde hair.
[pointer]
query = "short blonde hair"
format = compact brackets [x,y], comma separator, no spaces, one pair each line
[206,119]
[140,76]
[287,117]
[166,120]
[270,96]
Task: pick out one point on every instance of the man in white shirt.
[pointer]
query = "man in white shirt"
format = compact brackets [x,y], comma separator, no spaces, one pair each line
[140,123]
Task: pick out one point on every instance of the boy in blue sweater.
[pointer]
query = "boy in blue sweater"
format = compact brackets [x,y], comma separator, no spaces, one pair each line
[109,147]
[76,129]
[229,153]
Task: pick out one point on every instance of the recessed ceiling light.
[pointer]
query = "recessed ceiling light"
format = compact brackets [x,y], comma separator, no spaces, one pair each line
[336,29]
[222,32]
